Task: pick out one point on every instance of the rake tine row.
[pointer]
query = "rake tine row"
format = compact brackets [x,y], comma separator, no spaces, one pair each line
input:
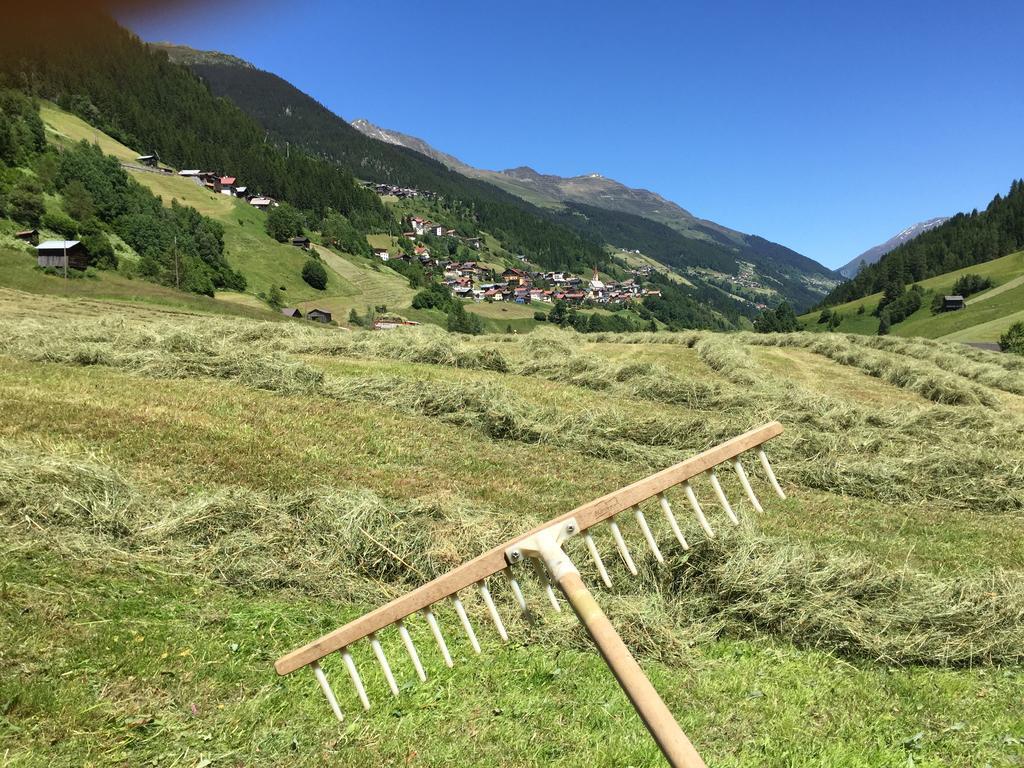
[543,546]
[673,524]
[745,482]
[648,536]
[620,544]
[768,471]
[464,618]
[596,556]
[378,651]
[713,477]
[499,625]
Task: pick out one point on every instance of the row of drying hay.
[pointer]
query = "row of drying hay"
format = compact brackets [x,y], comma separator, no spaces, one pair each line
[985,369]
[920,377]
[356,547]
[830,444]
[724,355]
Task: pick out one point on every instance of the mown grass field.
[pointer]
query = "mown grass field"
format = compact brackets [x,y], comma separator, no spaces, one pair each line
[988,314]
[185,498]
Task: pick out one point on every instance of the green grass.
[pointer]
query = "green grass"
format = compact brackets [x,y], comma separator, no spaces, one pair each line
[177,500]
[18,272]
[989,311]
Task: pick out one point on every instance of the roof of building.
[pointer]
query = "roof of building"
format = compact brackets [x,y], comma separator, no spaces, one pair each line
[956,297]
[56,244]
[227,179]
[291,312]
[145,157]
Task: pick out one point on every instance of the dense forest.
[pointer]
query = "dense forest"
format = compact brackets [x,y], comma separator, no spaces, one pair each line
[964,240]
[177,246]
[98,70]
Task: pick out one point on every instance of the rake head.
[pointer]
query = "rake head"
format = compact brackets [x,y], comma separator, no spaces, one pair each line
[543,548]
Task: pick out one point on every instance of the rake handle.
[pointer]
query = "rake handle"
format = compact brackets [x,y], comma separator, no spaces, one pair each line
[674,744]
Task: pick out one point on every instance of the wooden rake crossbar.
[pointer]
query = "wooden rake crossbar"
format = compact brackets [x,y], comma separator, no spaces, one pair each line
[542,546]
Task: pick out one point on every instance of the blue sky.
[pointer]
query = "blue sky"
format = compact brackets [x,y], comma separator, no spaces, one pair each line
[826,127]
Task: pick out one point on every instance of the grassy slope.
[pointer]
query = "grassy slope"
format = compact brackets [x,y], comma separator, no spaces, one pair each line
[122,655]
[992,312]
[249,249]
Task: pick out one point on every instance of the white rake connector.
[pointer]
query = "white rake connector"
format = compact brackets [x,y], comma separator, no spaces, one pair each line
[768,471]
[350,665]
[403,632]
[538,567]
[459,609]
[435,629]
[713,477]
[596,557]
[620,544]
[492,609]
[326,688]
[517,591]
[667,509]
[378,651]
[692,498]
[745,482]
[648,536]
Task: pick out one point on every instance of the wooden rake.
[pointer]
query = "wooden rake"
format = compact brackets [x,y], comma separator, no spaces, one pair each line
[543,547]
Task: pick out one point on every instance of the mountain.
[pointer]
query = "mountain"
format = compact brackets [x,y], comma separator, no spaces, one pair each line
[871,255]
[530,212]
[552,191]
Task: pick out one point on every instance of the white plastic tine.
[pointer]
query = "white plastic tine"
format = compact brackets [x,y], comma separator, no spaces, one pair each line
[326,688]
[435,629]
[350,665]
[721,497]
[411,650]
[517,591]
[542,574]
[620,544]
[692,498]
[667,509]
[592,548]
[492,609]
[378,651]
[768,471]
[459,609]
[745,482]
[648,536]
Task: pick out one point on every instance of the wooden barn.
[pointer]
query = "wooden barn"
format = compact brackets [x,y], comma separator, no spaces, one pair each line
[291,312]
[319,316]
[300,242]
[28,235]
[150,160]
[52,252]
[951,303]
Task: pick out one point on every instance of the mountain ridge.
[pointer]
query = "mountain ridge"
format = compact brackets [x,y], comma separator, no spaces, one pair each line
[873,254]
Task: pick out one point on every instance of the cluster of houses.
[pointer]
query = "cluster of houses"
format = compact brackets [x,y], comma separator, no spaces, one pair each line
[228,185]
[418,227]
[468,280]
[402,193]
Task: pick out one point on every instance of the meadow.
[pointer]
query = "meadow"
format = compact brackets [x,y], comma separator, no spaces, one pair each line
[186,497]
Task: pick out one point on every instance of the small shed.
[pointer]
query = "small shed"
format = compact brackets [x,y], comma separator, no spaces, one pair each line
[300,242]
[150,160]
[52,252]
[319,316]
[953,303]
[291,312]
[28,235]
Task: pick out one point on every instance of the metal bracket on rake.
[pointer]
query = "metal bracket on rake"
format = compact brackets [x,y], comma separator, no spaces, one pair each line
[543,547]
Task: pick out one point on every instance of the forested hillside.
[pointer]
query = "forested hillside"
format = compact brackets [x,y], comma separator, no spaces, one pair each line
[555,237]
[101,72]
[962,241]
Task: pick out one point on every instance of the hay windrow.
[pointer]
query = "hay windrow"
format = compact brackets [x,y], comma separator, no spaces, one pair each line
[888,454]
[355,546]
